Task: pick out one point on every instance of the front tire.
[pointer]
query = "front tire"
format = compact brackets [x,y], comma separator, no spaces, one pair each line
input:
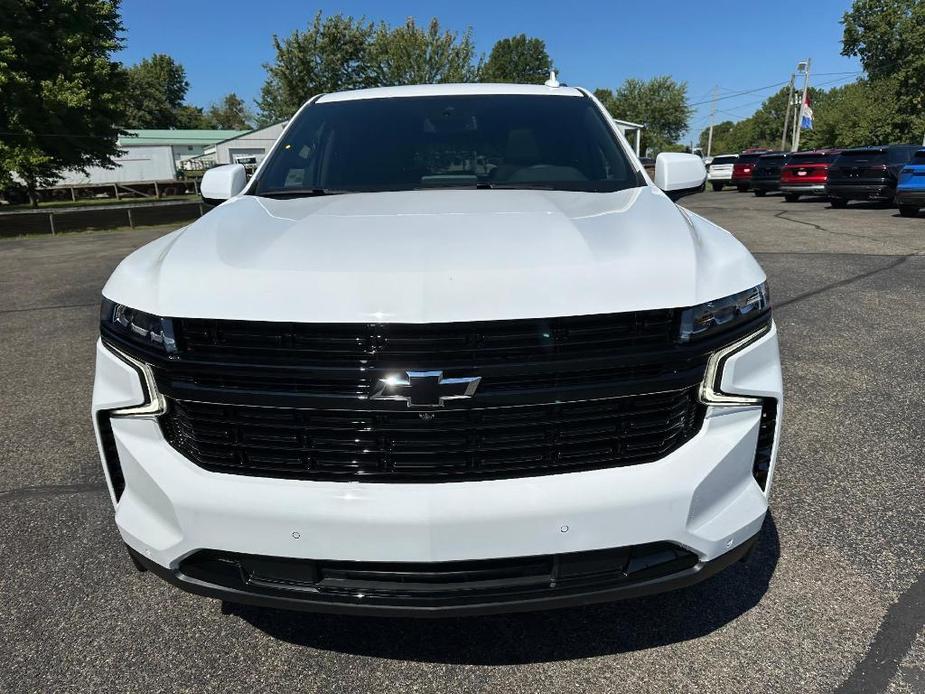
[791,197]
[838,203]
[717,186]
[760,193]
[908,211]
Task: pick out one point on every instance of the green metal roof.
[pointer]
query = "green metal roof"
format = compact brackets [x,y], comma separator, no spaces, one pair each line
[177,137]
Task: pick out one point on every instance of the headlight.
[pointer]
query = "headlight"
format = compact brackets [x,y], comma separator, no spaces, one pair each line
[138,327]
[723,314]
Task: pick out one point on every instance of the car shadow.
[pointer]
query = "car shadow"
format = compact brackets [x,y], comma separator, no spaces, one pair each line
[868,205]
[538,637]
[811,199]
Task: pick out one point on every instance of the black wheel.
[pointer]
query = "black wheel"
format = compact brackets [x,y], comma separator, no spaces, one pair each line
[791,197]
[760,193]
[717,186]
[908,211]
[838,203]
[742,189]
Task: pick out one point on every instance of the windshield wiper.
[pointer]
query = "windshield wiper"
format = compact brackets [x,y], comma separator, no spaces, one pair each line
[299,192]
[526,186]
[568,187]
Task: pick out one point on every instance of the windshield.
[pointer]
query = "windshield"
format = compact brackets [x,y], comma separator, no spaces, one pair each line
[855,157]
[724,160]
[812,157]
[900,155]
[409,143]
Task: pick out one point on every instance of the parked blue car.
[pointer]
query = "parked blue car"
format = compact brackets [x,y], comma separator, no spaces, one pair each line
[910,192]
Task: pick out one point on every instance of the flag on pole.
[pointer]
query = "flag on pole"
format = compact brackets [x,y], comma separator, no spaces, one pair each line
[806,115]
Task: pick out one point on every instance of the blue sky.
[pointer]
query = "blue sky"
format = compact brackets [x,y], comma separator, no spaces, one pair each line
[736,46]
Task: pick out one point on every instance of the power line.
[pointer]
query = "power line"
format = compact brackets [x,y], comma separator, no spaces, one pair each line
[742,93]
[730,111]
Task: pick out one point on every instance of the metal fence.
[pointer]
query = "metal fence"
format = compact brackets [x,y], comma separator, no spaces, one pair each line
[67,219]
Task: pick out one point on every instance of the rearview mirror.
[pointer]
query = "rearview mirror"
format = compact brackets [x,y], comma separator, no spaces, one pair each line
[679,174]
[222,182]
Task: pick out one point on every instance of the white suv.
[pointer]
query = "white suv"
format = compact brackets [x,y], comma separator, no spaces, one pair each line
[449,351]
[719,173]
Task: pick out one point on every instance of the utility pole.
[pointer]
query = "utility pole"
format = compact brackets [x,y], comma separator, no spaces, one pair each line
[796,138]
[783,135]
[712,120]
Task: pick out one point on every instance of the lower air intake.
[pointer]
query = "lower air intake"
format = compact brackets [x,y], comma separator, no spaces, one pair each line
[439,583]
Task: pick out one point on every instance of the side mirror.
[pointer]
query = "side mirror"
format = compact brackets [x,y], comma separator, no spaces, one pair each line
[222,182]
[679,174]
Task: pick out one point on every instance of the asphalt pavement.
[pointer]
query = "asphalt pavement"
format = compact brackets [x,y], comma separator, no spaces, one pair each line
[834,597]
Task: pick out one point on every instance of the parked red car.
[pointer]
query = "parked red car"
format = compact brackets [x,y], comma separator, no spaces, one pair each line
[742,170]
[806,173]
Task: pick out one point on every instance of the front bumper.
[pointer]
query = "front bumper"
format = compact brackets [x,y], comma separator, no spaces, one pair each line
[237,586]
[702,497]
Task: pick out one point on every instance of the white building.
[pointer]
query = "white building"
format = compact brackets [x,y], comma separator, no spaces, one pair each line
[133,165]
[251,146]
[148,156]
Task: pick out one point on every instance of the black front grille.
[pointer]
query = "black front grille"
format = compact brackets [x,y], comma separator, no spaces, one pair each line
[409,345]
[519,362]
[444,445]
[555,395]
[437,584]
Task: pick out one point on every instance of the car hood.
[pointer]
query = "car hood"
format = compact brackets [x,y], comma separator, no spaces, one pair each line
[435,256]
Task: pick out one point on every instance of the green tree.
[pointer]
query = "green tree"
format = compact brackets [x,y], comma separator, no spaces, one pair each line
[721,133]
[765,126]
[861,113]
[62,91]
[518,60]
[410,54]
[889,38]
[660,104]
[332,54]
[188,117]
[156,89]
[231,112]
[337,53]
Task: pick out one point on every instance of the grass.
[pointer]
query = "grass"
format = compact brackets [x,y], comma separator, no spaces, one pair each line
[169,226]
[94,202]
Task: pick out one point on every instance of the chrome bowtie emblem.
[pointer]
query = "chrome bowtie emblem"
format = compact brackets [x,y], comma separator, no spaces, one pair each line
[425,388]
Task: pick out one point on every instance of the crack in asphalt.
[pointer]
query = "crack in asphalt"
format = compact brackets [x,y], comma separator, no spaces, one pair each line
[841,283]
[819,227]
[46,308]
[890,644]
[51,490]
